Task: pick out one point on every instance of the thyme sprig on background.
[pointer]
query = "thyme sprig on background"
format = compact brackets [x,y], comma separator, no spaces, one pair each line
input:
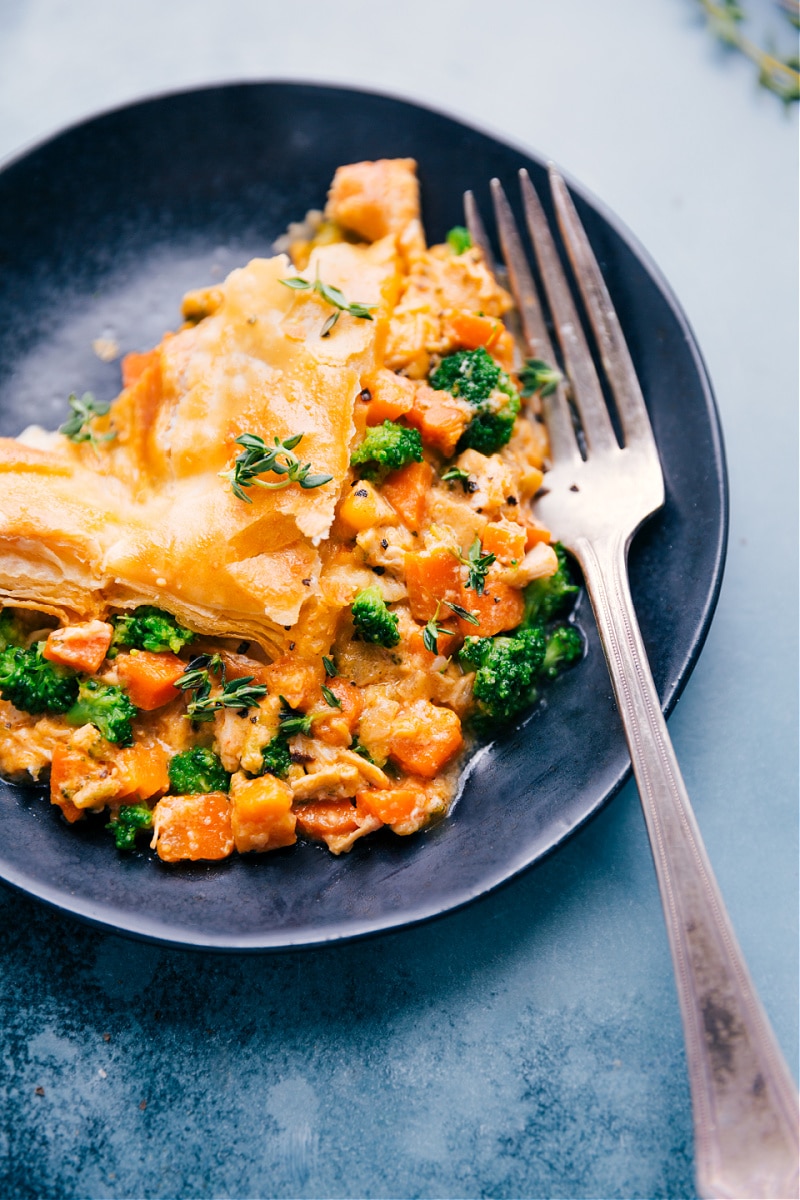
[236,693]
[79,426]
[333,296]
[258,458]
[781,76]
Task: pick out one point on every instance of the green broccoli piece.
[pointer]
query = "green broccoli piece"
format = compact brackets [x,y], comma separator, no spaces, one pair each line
[149,628]
[505,672]
[476,377]
[387,447]
[546,598]
[458,239]
[563,647]
[372,619]
[108,708]
[34,685]
[127,823]
[277,757]
[12,631]
[197,770]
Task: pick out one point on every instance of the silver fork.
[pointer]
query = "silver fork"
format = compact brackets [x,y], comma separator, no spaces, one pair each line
[743,1098]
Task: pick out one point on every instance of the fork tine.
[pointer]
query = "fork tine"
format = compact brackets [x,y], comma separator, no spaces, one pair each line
[477,230]
[563,444]
[614,352]
[586,390]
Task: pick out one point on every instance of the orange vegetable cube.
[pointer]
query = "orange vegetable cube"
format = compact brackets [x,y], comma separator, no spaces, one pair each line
[392,396]
[363,507]
[534,532]
[82,647]
[431,576]
[193,827]
[445,642]
[505,540]
[392,804]
[407,492]
[424,738]
[440,418]
[262,817]
[68,773]
[500,608]
[374,198]
[473,331]
[296,679]
[149,678]
[143,771]
[326,818]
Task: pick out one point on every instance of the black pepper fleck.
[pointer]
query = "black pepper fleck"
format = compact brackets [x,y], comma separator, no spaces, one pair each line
[384,544]
[362,492]
[254,720]
[306,583]
[573,487]
[292,645]
[365,394]
[379,570]
[512,500]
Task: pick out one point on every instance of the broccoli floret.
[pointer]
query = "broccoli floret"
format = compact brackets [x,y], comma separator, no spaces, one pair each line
[505,672]
[387,447]
[127,823]
[149,628]
[12,631]
[564,646]
[197,770]
[476,377]
[34,685]
[545,598]
[108,708]
[277,757]
[458,239]
[372,619]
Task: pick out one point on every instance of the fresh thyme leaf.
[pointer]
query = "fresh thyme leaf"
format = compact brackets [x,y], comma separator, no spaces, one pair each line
[84,409]
[538,376]
[464,613]
[296,282]
[329,324]
[357,748]
[458,239]
[430,635]
[330,666]
[457,475]
[236,693]
[258,458]
[477,565]
[781,76]
[292,722]
[333,296]
[331,699]
[198,670]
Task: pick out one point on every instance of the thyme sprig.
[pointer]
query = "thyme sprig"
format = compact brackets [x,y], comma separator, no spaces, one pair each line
[291,721]
[538,376]
[458,475]
[778,75]
[433,630]
[477,565]
[333,296]
[257,458]
[236,693]
[79,426]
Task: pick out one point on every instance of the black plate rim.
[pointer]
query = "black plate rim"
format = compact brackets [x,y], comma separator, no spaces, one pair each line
[139,927]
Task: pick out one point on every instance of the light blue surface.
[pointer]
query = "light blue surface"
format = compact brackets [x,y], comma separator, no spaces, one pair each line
[530,1045]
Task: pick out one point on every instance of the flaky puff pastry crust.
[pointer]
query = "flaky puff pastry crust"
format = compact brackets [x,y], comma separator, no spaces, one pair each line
[145,518]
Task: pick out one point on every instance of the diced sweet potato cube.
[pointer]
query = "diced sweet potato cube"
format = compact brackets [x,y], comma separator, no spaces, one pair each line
[432,576]
[535,532]
[148,678]
[375,198]
[363,507]
[69,771]
[295,679]
[326,818]
[498,609]
[81,647]
[505,540]
[262,817]
[193,827]
[392,804]
[142,770]
[407,492]
[391,396]
[440,418]
[424,738]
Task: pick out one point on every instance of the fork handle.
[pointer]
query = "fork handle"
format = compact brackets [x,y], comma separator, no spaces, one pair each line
[744,1101]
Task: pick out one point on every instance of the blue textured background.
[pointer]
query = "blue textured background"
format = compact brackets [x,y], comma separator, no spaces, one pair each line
[530,1045]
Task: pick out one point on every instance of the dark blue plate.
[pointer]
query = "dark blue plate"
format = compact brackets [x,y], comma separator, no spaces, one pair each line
[102,229]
